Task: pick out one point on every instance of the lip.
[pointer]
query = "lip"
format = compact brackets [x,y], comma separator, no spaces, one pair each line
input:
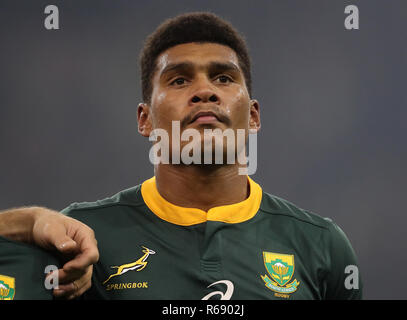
[205,117]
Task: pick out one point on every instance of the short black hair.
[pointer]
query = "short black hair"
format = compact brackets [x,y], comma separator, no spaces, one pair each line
[186,28]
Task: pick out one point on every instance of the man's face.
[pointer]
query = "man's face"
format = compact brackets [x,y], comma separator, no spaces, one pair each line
[199,77]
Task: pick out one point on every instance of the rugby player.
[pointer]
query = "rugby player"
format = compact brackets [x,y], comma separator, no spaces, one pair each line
[193,231]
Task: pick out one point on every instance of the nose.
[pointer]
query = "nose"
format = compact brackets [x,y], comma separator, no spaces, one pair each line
[204,93]
[204,98]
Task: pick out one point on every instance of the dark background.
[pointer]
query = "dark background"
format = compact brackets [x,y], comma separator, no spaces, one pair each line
[333,110]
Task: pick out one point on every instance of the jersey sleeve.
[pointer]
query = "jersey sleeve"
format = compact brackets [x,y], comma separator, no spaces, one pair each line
[67,210]
[22,271]
[343,279]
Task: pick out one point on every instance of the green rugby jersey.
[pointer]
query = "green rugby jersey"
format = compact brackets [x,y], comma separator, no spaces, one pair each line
[261,248]
[22,271]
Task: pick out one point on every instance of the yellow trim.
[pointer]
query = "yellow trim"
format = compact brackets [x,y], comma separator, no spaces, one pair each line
[11,283]
[232,213]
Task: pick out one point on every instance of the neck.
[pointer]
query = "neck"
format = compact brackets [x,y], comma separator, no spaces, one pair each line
[202,187]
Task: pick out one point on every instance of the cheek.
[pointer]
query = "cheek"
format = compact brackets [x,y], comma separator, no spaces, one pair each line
[239,108]
[164,110]
[160,97]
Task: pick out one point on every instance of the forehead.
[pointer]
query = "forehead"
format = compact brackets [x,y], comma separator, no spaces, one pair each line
[199,54]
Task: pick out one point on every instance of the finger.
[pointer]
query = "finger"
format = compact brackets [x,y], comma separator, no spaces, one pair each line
[66,245]
[88,252]
[65,277]
[67,288]
[81,290]
[70,292]
[77,287]
[71,297]
[64,290]
[56,236]
[83,260]
[60,289]
[79,278]
[83,245]
[72,271]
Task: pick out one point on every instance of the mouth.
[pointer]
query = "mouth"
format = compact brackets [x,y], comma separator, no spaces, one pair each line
[205,117]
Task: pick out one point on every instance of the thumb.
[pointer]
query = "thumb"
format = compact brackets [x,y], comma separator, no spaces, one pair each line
[58,238]
[65,244]
[50,231]
[55,235]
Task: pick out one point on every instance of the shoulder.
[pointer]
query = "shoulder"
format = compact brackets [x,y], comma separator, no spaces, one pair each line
[128,197]
[22,270]
[305,221]
[277,206]
[21,251]
[17,247]
[326,237]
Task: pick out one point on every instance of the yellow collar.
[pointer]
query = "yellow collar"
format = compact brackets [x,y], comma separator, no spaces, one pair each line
[232,213]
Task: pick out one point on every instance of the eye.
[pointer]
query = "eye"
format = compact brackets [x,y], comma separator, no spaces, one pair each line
[224,79]
[178,82]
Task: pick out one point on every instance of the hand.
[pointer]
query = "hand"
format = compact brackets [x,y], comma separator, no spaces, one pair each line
[73,239]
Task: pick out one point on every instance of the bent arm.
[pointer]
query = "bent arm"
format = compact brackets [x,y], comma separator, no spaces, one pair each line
[17,223]
[53,230]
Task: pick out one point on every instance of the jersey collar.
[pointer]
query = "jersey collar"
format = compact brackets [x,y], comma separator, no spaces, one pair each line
[233,213]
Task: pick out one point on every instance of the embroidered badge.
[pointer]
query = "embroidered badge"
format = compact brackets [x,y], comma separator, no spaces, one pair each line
[7,288]
[280,268]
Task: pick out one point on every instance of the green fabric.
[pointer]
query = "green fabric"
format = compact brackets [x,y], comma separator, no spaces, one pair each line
[26,265]
[182,261]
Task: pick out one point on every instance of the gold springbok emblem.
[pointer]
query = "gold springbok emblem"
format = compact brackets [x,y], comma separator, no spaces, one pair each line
[138,265]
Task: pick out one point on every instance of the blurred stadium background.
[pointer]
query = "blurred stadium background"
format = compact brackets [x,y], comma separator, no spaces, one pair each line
[333,110]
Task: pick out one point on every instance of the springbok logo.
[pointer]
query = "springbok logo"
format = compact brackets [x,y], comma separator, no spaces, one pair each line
[138,265]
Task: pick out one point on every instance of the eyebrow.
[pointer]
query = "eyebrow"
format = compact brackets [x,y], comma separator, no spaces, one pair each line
[212,66]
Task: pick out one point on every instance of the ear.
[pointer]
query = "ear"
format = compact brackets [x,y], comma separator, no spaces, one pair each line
[144,119]
[254,122]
